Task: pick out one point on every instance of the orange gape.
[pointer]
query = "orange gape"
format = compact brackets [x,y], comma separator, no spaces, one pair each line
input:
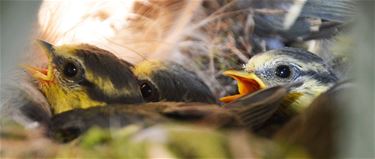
[246,82]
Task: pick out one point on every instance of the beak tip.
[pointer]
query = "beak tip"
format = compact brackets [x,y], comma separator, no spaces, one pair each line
[45,45]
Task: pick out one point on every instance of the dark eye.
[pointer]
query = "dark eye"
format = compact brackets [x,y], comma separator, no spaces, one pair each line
[70,69]
[283,71]
[146,90]
[149,92]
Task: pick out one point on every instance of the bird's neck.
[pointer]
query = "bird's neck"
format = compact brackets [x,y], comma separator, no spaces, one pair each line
[307,94]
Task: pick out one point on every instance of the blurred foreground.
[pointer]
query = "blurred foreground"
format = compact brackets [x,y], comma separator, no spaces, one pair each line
[208,41]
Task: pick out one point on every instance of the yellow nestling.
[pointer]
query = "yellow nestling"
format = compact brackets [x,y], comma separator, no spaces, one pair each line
[283,66]
[168,81]
[83,76]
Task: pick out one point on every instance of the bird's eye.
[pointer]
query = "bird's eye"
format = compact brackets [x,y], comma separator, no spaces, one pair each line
[283,71]
[70,69]
[149,92]
[146,90]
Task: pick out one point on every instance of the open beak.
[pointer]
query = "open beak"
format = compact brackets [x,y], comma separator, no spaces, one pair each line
[246,82]
[42,74]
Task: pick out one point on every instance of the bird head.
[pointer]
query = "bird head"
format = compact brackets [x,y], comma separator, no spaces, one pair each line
[168,81]
[82,76]
[284,66]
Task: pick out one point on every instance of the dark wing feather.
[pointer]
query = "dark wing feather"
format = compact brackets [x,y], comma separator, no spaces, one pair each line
[254,109]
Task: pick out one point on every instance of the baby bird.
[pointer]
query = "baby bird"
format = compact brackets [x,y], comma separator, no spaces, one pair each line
[168,81]
[283,66]
[83,76]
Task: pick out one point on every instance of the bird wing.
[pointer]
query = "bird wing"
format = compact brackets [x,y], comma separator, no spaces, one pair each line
[255,109]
